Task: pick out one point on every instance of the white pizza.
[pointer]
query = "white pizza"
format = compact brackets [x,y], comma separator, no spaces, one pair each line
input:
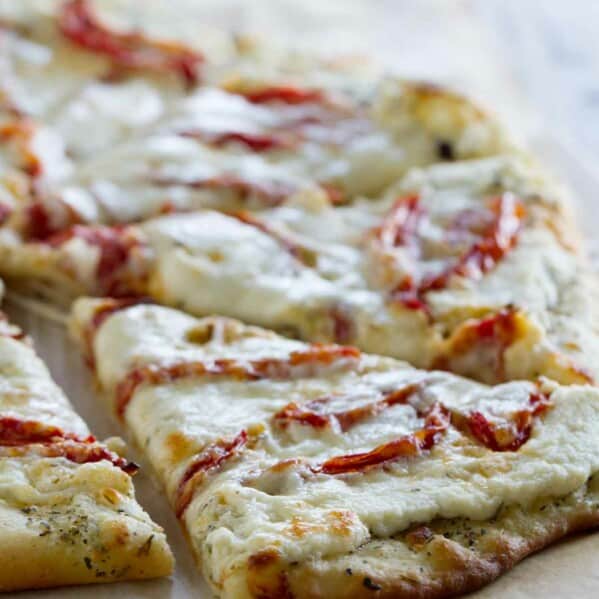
[68,513]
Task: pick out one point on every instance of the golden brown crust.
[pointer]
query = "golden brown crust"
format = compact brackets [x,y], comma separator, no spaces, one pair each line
[444,558]
[31,559]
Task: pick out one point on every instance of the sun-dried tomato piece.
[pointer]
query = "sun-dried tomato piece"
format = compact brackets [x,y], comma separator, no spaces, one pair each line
[14,431]
[436,422]
[400,226]
[489,337]
[79,24]
[211,458]
[497,236]
[286,94]
[313,412]
[29,437]
[43,220]
[257,142]
[115,245]
[513,433]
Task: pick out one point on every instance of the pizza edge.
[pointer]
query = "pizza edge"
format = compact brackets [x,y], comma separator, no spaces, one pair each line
[450,567]
[132,549]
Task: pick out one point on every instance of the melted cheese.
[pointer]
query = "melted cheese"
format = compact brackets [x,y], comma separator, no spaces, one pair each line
[246,507]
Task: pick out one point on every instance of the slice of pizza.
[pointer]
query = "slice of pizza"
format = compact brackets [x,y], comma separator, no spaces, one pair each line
[304,470]
[68,513]
[123,126]
[468,267]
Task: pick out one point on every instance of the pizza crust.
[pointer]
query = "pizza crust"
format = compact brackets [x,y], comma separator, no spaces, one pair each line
[101,535]
[451,558]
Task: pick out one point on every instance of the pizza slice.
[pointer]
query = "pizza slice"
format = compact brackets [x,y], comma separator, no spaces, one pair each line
[68,513]
[304,470]
[129,126]
[468,267]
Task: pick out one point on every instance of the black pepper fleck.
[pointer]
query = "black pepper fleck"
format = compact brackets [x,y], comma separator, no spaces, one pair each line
[445,150]
[367,582]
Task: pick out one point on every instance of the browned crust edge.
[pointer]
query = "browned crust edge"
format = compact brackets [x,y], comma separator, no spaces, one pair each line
[452,568]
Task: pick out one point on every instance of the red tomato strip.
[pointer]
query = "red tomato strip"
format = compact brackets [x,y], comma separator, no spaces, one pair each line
[401,226]
[254,141]
[500,330]
[41,223]
[512,435]
[436,422]
[25,437]
[14,431]
[285,94]
[80,25]
[209,459]
[311,412]
[306,361]
[115,245]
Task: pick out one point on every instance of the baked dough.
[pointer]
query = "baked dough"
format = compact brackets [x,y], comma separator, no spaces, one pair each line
[68,513]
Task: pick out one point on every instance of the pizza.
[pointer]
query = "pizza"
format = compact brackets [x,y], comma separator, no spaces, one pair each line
[290,261]
[68,513]
[470,267]
[302,470]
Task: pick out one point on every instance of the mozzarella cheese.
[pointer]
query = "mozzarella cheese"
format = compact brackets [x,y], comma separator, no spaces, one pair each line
[246,506]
